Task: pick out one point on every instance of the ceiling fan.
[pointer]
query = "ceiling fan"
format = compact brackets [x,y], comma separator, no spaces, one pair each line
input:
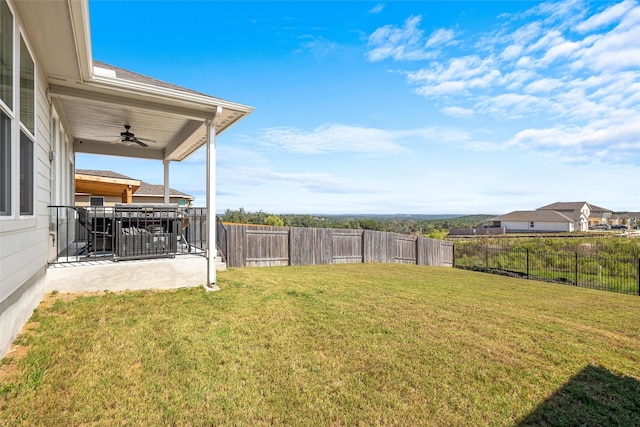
[128,138]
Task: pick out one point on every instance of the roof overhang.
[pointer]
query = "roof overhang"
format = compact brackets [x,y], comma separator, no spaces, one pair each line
[59,33]
[105,186]
[95,112]
[94,104]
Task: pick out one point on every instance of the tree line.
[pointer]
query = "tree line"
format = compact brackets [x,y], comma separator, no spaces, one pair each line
[435,226]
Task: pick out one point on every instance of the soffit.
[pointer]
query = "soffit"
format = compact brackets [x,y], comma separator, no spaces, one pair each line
[57,34]
[94,114]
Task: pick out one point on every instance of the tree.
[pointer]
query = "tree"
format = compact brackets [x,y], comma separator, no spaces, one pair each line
[274,220]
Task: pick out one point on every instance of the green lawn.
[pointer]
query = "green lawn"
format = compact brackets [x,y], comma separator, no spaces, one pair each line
[360,344]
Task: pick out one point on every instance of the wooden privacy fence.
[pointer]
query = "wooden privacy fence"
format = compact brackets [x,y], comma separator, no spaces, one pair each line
[265,246]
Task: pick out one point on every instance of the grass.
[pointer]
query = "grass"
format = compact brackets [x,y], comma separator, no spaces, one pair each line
[360,344]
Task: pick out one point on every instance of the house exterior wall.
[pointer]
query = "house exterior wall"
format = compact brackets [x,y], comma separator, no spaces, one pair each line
[25,240]
[538,226]
[599,219]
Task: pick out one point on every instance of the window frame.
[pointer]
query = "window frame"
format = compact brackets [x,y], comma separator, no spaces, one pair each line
[19,208]
[8,176]
[29,135]
[6,163]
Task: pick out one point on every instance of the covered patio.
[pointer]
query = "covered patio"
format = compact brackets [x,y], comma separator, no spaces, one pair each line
[106,110]
[120,113]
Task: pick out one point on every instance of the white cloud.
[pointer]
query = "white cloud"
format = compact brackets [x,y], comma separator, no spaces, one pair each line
[516,79]
[562,65]
[562,50]
[605,140]
[400,44]
[511,52]
[456,77]
[458,112]
[616,50]
[333,138]
[407,43]
[512,106]
[376,9]
[317,46]
[607,17]
[440,37]
[543,86]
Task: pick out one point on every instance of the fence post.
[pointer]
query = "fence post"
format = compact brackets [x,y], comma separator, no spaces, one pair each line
[576,268]
[289,247]
[527,263]
[639,277]
[486,256]
[453,258]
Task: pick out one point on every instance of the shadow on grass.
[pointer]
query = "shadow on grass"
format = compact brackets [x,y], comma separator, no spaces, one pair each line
[594,397]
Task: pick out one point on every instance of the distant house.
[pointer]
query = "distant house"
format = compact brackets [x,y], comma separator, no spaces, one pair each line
[600,216]
[630,219]
[109,188]
[556,217]
[535,221]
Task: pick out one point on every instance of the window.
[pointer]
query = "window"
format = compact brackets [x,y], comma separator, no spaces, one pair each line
[6,95]
[26,175]
[27,118]
[27,89]
[17,120]
[6,55]
[5,164]
[531,224]
[96,201]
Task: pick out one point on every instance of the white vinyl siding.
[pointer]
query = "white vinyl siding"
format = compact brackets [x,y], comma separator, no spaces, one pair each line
[538,226]
[24,242]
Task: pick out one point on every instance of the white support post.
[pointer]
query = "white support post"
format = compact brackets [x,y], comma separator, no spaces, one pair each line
[167,199]
[212,251]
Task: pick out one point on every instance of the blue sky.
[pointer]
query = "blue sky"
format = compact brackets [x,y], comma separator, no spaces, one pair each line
[396,107]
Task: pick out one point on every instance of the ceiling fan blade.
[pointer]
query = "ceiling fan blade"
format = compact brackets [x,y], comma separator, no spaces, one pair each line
[140,143]
[147,140]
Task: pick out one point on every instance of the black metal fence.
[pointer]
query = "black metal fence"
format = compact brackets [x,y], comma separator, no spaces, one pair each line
[87,233]
[615,274]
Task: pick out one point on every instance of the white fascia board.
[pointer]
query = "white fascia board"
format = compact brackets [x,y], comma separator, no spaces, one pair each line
[79,12]
[167,94]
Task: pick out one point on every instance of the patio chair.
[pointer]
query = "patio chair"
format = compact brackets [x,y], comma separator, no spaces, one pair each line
[99,239]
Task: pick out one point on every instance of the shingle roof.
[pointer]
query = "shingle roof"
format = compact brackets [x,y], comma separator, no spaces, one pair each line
[537,215]
[123,74]
[145,188]
[595,208]
[106,174]
[564,206]
[158,190]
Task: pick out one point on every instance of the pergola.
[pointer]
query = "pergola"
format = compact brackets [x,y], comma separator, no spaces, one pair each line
[94,101]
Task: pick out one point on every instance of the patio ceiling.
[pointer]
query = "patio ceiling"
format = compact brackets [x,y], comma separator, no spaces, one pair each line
[174,119]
